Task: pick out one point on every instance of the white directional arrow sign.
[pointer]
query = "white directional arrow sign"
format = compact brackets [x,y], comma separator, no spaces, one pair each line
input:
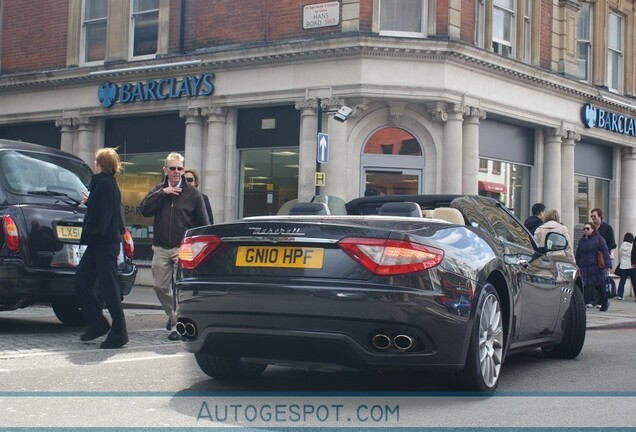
[322,149]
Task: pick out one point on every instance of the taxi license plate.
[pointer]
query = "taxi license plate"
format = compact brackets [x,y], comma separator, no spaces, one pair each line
[279,257]
[68,232]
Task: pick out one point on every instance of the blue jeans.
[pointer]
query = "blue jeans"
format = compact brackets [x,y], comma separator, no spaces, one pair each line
[631,273]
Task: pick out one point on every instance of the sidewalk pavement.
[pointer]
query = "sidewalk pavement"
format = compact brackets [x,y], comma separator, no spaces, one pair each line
[621,314]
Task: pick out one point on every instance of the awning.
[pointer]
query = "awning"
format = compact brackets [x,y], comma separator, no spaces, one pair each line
[487,186]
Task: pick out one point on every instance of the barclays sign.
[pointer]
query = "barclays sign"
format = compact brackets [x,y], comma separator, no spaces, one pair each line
[155,90]
[594,117]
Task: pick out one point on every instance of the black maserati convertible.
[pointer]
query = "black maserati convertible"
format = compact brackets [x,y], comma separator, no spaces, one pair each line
[430,282]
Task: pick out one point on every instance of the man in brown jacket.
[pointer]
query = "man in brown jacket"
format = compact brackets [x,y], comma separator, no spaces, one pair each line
[176,207]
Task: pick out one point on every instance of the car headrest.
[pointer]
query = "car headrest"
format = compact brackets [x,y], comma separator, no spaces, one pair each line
[315,208]
[449,214]
[406,209]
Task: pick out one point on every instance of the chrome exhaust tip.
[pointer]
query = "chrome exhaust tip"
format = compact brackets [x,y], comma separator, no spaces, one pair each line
[403,342]
[381,342]
[181,328]
[190,330]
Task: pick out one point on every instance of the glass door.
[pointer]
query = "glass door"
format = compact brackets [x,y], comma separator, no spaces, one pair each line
[382,181]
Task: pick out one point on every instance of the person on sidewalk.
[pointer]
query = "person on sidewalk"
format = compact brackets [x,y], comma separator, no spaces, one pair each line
[588,261]
[535,220]
[625,269]
[192,176]
[101,233]
[176,207]
[553,224]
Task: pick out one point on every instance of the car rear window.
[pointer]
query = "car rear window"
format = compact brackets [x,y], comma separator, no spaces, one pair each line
[25,172]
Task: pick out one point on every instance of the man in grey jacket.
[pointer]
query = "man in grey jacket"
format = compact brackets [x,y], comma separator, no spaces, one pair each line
[176,207]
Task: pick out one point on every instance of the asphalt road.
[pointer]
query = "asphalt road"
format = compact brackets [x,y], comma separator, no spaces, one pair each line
[49,378]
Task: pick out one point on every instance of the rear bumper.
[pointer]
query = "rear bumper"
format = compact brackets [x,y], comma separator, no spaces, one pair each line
[42,285]
[289,324]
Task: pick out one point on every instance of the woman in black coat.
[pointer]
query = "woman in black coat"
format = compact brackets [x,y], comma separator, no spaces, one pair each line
[587,260]
[101,232]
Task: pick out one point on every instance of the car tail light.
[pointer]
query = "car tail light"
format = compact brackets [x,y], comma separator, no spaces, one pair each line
[391,257]
[10,233]
[129,245]
[194,250]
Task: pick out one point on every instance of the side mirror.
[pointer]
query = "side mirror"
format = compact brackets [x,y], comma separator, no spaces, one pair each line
[555,242]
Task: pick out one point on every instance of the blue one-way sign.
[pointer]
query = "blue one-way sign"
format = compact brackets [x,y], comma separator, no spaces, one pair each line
[322,148]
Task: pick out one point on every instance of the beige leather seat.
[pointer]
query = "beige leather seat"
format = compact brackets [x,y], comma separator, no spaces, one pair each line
[449,214]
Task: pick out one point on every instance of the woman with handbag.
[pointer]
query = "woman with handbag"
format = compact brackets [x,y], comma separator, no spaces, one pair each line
[625,269]
[594,261]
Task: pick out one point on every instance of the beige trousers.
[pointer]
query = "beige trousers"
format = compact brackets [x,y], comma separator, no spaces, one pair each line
[164,266]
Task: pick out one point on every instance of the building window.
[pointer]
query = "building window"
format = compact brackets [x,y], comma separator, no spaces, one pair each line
[508,183]
[615,52]
[503,27]
[94,30]
[483,165]
[403,17]
[591,193]
[527,31]
[144,27]
[584,42]
[480,23]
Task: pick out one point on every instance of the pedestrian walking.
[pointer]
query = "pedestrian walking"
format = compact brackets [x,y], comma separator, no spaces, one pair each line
[553,224]
[176,207]
[593,271]
[192,176]
[625,268]
[101,233]
[535,220]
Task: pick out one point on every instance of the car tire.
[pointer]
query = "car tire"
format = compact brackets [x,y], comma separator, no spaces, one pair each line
[229,368]
[486,348]
[69,313]
[574,334]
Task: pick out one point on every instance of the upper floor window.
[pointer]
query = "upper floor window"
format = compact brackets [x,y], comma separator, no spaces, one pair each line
[94,30]
[527,31]
[615,52]
[144,28]
[503,27]
[403,17]
[584,42]
[480,23]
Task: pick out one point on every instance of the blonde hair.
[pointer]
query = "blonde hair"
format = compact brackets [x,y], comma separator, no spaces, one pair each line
[552,215]
[108,160]
[175,157]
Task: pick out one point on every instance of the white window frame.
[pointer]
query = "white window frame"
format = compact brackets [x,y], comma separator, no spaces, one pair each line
[84,39]
[585,42]
[131,35]
[423,22]
[499,43]
[480,23]
[527,31]
[616,53]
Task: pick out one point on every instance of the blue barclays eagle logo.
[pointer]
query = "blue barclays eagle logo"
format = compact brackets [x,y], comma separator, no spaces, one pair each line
[107,94]
[589,116]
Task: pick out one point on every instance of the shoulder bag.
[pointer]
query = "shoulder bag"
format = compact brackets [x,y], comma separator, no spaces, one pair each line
[600,258]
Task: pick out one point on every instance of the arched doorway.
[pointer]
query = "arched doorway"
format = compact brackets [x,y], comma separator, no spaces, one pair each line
[392,164]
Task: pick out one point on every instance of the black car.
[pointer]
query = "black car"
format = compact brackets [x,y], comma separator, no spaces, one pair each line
[42,215]
[450,283]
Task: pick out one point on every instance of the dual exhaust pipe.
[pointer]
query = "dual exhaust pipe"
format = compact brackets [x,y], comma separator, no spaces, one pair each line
[186,329]
[401,342]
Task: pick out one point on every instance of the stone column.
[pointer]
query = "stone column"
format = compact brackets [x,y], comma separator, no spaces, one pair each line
[307,148]
[627,214]
[452,116]
[470,152]
[213,173]
[552,169]
[567,179]
[336,168]
[67,131]
[193,137]
[86,139]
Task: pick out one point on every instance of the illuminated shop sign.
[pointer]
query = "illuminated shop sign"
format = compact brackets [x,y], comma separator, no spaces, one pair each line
[187,86]
[594,117]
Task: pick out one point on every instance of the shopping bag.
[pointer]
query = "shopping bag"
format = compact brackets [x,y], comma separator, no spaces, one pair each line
[610,287]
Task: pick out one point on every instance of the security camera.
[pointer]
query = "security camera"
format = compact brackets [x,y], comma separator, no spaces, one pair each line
[343,113]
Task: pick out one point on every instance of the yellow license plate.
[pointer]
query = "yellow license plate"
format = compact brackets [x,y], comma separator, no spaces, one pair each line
[279,256]
[68,232]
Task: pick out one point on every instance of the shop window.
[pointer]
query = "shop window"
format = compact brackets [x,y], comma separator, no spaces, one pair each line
[591,193]
[269,179]
[584,42]
[144,27]
[503,27]
[94,30]
[403,18]
[615,52]
[510,185]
